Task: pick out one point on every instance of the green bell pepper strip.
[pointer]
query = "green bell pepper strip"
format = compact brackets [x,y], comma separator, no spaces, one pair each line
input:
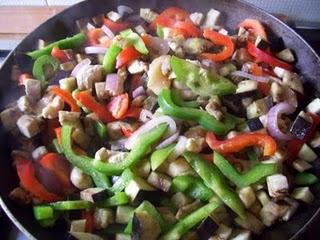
[110,58]
[44,67]
[305,179]
[43,212]
[191,186]
[71,205]
[126,176]
[203,118]
[187,223]
[135,40]
[200,80]
[159,156]
[56,146]
[258,172]
[101,130]
[176,97]
[160,32]
[119,198]
[213,178]
[142,146]
[50,222]
[82,162]
[67,43]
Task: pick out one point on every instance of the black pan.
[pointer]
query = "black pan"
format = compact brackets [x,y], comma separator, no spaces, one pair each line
[63,25]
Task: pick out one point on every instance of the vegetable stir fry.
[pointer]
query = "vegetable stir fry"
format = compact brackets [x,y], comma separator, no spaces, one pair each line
[164,126]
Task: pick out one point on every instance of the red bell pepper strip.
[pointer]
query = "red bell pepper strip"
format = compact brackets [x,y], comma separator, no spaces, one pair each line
[254,26]
[242,141]
[256,69]
[115,27]
[176,18]
[67,97]
[26,173]
[59,54]
[89,102]
[221,40]
[90,225]
[55,163]
[133,112]
[93,36]
[126,56]
[263,56]
[119,105]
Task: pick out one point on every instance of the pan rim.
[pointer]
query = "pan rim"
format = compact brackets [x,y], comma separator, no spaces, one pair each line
[29,235]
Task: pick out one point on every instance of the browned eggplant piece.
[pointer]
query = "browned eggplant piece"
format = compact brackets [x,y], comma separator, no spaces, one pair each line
[207,228]
[300,127]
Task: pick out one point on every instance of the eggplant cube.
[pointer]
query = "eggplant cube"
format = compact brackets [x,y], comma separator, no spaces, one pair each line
[307,154]
[314,106]
[277,185]
[136,188]
[159,181]
[255,124]
[315,141]
[144,227]
[303,194]
[300,127]
[207,228]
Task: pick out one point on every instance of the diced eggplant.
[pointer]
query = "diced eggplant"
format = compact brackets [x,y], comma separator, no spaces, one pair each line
[103,217]
[159,181]
[255,124]
[178,167]
[143,169]
[255,208]
[39,152]
[251,223]
[258,107]
[276,92]
[300,127]
[271,212]
[261,43]
[277,185]
[223,232]
[147,14]
[242,235]
[303,194]
[307,154]
[196,18]
[247,86]
[211,19]
[85,236]
[301,165]
[293,81]
[179,200]
[138,189]
[207,228]
[9,117]
[78,225]
[124,214]
[95,194]
[28,125]
[114,16]
[231,102]
[314,106]
[187,209]
[263,197]
[315,141]
[144,227]
[121,236]
[277,43]
[247,196]
[167,215]
[293,206]
[286,55]
[79,179]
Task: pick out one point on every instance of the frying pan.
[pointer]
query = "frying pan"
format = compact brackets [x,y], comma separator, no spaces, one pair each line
[63,25]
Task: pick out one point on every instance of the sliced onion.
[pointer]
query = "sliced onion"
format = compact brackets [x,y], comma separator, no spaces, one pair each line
[159,46]
[179,149]
[112,83]
[95,50]
[168,141]
[145,115]
[148,126]
[122,9]
[250,76]
[107,31]
[79,66]
[273,115]
[138,91]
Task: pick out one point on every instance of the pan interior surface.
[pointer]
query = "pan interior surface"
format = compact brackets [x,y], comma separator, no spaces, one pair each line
[63,25]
